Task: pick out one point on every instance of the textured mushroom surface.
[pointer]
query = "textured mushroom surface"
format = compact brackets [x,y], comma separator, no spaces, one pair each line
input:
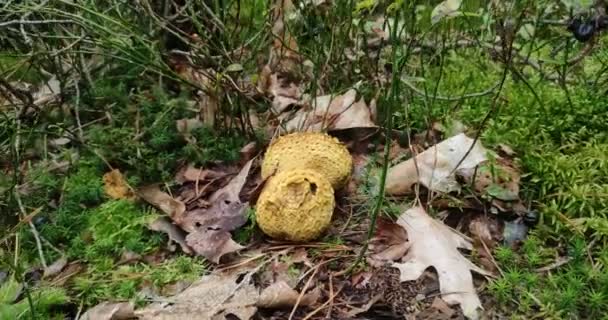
[295,205]
[309,150]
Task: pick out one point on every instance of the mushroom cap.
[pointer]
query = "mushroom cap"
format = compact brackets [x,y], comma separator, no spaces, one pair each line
[309,150]
[295,205]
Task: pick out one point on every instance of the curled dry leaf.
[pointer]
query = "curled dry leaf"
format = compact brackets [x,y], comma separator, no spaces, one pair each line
[281,295]
[163,201]
[212,297]
[115,185]
[389,243]
[162,224]
[55,268]
[284,93]
[110,311]
[332,112]
[435,167]
[433,244]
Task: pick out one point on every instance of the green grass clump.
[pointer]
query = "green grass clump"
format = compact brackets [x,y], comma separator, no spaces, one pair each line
[577,290]
[43,299]
[112,228]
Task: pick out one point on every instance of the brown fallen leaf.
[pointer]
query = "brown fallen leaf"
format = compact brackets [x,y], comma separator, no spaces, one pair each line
[115,185]
[176,235]
[163,201]
[110,311]
[212,244]
[439,310]
[281,295]
[485,233]
[433,244]
[389,243]
[435,167]
[214,296]
[226,212]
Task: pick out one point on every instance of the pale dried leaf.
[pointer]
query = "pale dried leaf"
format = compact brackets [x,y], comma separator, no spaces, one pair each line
[110,311]
[281,295]
[48,92]
[185,126]
[55,267]
[433,244]
[284,93]
[332,112]
[212,297]
[162,224]
[163,201]
[436,166]
[446,9]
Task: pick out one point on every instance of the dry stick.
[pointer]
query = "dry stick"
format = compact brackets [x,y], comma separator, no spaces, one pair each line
[331,295]
[33,228]
[560,262]
[483,243]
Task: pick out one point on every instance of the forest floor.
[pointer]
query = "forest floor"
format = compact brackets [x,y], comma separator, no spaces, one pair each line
[133,137]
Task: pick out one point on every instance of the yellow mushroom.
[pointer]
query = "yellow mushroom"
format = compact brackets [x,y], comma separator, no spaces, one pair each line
[295,205]
[309,150]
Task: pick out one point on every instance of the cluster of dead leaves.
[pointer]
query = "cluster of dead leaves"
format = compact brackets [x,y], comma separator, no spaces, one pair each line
[206,218]
[222,293]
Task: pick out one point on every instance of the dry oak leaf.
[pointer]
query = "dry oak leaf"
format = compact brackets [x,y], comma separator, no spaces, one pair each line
[213,297]
[433,244]
[331,112]
[110,311]
[435,167]
[115,185]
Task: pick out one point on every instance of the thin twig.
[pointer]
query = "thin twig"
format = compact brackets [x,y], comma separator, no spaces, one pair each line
[295,306]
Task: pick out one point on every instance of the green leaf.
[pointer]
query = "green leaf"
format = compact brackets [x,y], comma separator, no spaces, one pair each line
[446,9]
[526,31]
[501,193]
[235,67]
[10,290]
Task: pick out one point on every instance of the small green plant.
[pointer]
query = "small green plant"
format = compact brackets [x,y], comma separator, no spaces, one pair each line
[13,306]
